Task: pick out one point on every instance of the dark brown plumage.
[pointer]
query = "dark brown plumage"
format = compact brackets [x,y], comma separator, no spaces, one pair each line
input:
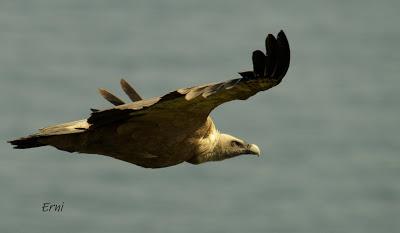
[171,129]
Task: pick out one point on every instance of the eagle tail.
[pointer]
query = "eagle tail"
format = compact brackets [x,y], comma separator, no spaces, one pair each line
[30,141]
[37,140]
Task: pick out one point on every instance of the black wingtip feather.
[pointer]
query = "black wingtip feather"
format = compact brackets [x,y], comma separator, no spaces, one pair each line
[275,63]
[271,46]
[278,56]
[258,63]
[247,74]
[284,55]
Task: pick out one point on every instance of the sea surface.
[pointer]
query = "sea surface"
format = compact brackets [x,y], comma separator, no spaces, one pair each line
[330,132]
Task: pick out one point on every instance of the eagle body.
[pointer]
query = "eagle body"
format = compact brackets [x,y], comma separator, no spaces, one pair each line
[168,130]
[144,143]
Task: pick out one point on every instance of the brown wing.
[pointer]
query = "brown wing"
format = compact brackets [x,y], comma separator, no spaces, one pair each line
[197,102]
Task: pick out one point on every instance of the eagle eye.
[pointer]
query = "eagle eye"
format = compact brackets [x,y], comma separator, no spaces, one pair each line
[236,143]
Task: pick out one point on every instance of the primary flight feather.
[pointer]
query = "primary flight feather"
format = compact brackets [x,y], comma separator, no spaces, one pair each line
[171,129]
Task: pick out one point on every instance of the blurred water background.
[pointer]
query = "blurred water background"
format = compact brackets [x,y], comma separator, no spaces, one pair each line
[329,133]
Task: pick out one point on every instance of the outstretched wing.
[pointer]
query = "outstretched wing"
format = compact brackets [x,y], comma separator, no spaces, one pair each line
[197,102]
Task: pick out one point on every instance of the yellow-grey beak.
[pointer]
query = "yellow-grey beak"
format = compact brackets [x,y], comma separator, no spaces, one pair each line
[254,149]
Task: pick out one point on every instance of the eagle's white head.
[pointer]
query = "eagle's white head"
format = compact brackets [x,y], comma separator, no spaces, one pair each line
[229,146]
[220,146]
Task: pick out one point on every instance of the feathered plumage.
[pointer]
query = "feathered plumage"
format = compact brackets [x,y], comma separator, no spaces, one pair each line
[171,129]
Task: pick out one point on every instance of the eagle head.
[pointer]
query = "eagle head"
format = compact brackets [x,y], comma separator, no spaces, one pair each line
[225,146]
[229,146]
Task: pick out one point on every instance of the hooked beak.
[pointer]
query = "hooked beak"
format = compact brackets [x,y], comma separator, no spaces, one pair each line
[253,149]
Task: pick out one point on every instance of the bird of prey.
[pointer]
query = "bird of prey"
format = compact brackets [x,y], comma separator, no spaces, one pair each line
[171,129]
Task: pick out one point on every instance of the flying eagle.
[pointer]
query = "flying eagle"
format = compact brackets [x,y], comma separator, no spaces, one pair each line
[171,129]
